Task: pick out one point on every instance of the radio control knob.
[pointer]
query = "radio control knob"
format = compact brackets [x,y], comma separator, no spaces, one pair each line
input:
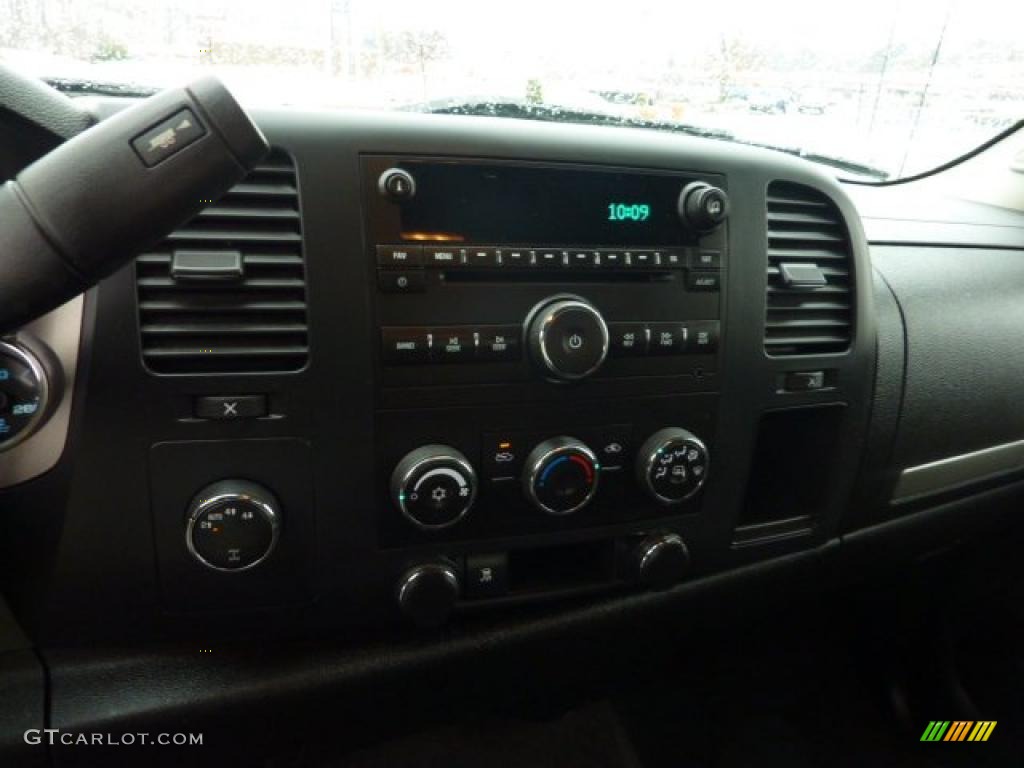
[233,525]
[703,206]
[660,561]
[567,337]
[672,465]
[397,184]
[561,475]
[434,486]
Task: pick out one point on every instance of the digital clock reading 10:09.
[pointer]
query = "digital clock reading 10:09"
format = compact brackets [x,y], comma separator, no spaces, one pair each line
[628,212]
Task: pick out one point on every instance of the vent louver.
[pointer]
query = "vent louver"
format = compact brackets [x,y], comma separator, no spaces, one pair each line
[252,320]
[810,291]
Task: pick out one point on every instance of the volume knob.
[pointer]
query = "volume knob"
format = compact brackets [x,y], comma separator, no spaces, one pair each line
[568,338]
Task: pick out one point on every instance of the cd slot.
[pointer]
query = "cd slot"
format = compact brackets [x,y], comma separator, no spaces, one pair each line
[463,275]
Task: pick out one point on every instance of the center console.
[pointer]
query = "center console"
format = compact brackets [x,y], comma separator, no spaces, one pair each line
[548,353]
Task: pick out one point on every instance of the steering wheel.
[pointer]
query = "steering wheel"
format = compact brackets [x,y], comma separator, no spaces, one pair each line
[106,191]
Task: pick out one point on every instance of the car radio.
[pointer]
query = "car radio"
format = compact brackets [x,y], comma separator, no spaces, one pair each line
[548,339]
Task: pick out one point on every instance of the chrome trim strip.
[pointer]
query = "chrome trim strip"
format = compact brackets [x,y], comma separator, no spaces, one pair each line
[954,471]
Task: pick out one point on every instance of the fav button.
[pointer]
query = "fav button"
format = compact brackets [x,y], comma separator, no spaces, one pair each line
[399,256]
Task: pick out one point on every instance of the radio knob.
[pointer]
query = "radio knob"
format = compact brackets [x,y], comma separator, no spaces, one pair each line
[397,184]
[561,475]
[703,206]
[434,486]
[568,338]
[672,465]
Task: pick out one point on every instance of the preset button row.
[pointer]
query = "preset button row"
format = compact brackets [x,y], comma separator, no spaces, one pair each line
[511,257]
[456,344]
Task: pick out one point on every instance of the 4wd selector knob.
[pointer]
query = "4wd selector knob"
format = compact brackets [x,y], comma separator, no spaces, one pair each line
[232,525]
[672,465]
[561,475]
[567,337]
[434,486]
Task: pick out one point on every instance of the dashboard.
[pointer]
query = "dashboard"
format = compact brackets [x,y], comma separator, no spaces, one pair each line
[410,366]
[419,369]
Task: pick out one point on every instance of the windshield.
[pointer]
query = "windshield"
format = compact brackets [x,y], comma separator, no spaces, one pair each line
[877,88]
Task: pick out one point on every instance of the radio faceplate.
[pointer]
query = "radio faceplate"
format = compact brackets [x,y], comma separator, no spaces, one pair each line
[466,253]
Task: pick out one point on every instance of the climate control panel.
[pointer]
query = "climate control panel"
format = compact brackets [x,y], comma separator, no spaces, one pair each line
[527,480]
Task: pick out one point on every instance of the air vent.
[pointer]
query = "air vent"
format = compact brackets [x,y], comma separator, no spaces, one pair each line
[810,287]
[226,293]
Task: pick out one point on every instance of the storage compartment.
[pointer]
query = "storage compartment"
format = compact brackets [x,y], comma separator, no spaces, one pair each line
[791,471]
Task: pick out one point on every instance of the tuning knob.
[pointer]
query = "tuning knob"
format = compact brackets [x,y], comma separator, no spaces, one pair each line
[672,465]
[561,475]
[434,486]
[567,337]
[661,561]
[427,593]
[703,206]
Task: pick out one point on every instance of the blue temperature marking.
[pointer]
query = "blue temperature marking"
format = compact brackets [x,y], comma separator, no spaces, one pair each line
[549,467]
[5,374]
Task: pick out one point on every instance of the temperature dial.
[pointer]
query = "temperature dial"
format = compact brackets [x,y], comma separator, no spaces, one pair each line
[233,525]
[672,465]
[24,394]
[434,486]
[561,475]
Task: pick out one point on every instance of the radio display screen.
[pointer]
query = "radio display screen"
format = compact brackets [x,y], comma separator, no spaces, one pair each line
[521,204]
